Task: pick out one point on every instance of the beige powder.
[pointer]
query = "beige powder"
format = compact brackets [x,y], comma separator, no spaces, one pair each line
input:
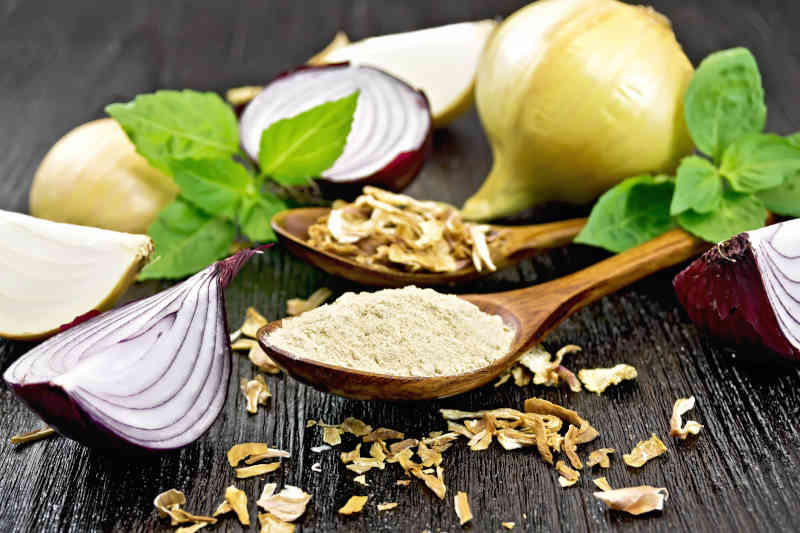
[402,332]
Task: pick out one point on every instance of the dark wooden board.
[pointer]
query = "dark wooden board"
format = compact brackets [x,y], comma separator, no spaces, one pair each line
[62,62]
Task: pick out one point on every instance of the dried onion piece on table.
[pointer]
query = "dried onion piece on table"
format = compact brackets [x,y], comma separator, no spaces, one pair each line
[288,505]
[634,500]
[354,505]
[676,426]
[600,457]
[386,506]
[599,379]
[602,484]
[272,524]
[644,451]
[463,511]
[297,306]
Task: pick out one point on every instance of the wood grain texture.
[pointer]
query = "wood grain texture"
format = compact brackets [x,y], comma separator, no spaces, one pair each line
[62,62]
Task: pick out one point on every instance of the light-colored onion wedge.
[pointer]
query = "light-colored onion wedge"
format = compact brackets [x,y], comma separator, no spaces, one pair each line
[747,289]
[441,61]
[150,375]
[390,135]
[52,273]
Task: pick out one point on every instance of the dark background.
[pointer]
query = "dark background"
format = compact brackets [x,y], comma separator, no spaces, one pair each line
[62,62]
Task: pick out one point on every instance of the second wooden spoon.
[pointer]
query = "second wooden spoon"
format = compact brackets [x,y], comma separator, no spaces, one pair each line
[291,227]
[533,312]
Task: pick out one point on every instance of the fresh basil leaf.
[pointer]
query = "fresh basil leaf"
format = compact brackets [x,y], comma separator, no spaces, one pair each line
[785,199]
[698,186]
[724,101]
[630,214]
[737,213]
[214,185]
[759,161]
[169,125]
[296,149]
[186,240]
[255,216]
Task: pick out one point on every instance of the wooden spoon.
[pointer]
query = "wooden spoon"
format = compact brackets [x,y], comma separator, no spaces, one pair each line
[533,312]
[291,227]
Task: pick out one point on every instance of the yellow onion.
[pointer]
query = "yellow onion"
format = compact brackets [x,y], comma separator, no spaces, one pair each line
[575,96]
[93,177]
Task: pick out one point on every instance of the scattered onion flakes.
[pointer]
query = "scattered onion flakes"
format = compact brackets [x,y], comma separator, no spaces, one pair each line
[508,525]
[41,433]
[169,502]
[602,484]
[288,505]
[354,505]
[256,392]
[362,480]
[435,483]
[676,426]
[568,476]
[242,451]
[600,457]
[257,470]
[599,379]
[253,321]
[272,524]
[383,434]
[634,500]
[236,501]
[462,508]
[243,345]
[537,364]
[387,506]
[644,451]
[403,482]
[297,306]
[261,360]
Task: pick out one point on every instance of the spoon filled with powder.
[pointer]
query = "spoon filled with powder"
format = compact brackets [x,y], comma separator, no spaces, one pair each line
[415,344]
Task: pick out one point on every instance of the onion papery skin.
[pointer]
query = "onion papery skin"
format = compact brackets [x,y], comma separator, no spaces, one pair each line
[725,292]
[401,161]
[151,375]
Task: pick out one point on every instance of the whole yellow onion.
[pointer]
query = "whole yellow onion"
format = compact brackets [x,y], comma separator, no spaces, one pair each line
[575,96]
[93,177]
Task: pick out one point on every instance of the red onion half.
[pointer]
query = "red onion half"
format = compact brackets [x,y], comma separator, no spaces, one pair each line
[747,289]
[150,375]
[391,132]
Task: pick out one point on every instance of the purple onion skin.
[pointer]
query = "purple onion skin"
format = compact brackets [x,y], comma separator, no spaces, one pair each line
[56,408]
[723,293]
[395,176]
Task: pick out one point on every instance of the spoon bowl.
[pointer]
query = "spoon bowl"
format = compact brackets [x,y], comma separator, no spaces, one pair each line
[532,312]
[291,227]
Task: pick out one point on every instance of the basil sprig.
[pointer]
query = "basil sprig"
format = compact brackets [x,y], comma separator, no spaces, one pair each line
[739,174]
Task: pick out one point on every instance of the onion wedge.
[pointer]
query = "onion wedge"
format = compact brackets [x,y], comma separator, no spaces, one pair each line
[52,273]
[150,375]
[390,135]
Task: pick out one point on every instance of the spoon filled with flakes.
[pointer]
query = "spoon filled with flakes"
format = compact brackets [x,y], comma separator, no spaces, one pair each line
[384,239]
[417,344]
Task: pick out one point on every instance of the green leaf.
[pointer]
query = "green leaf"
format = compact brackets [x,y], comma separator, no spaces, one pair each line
[295,149]
[255,215]
[186,241]
[214,185]
[724,101]
[698,186]
[785,199]
[737,213]
[630,214]
[169,125]
[759,161]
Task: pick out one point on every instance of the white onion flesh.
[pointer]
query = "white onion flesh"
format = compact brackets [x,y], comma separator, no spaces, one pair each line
[391,118]
[152,373]
[777,251]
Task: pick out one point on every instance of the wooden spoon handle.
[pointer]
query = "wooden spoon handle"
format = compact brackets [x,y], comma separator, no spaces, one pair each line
[527,240]
[548,304]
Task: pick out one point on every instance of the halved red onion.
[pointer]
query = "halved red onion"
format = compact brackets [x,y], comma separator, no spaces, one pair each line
[150,375]
[391,132]
[747,289]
